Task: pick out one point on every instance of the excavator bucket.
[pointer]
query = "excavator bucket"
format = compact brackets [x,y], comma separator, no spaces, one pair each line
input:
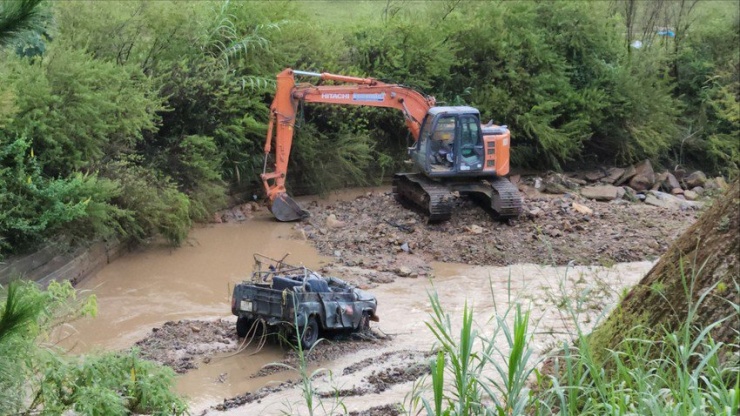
[284,208]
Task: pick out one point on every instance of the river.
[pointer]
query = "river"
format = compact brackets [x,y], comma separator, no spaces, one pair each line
[157,284]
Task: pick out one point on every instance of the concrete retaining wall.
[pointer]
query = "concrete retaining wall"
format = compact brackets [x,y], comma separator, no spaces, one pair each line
[49,264]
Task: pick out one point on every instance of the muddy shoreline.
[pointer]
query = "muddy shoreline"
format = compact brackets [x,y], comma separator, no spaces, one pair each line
[368,239]
[373,242]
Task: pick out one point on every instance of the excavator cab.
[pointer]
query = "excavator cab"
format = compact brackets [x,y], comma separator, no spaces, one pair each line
[450,143]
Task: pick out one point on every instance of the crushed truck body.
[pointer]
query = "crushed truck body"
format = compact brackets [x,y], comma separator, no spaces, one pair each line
[288,300]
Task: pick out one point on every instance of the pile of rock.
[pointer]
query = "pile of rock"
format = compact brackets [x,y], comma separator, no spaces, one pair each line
[669,189]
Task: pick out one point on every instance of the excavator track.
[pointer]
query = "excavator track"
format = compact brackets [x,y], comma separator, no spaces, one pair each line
[433,198]
[505,200]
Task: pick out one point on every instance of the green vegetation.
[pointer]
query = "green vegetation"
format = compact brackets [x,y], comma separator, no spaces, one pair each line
[136,118]
[37,378]
[681,372]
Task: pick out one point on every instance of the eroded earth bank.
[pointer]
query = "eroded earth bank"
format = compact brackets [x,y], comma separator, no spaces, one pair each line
[173,304]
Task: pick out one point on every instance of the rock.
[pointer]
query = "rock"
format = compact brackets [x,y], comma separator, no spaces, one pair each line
[403,271]
[554,188]
[672,181]
[620,202]
[660,182]
[600,192]
[653,200]
[582,208]
[699,190]
[195,329]
[579,182]
[677,191]
[679,173]
[664,200]
[644,176]
[238,214]
[721,182]
[629,194]
[475,229]
[337,253]
[710,184]
[515,179]
[567,226]
[612,174]
[558,184]
[538,184]
[627,174]
[620,192]
[697,178]
[535,212]
[405,247]
[691,195]
[333,222]
[595,175]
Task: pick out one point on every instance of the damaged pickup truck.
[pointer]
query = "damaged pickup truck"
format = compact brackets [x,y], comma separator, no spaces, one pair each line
[289,300]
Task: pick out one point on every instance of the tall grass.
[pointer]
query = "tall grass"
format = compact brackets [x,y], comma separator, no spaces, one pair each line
[679,372]
[468,357]
[313,403]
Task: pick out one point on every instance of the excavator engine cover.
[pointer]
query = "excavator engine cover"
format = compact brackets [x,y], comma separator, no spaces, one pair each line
[284,208]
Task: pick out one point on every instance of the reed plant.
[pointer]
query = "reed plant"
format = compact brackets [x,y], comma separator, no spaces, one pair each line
[654,371]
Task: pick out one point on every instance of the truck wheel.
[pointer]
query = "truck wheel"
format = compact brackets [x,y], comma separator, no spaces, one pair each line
[242,326]
[364,322]
[310,333]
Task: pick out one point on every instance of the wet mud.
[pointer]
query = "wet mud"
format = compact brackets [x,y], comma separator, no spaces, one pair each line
[174,305]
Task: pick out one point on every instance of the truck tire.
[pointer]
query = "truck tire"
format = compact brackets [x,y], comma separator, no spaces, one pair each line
[309,333]
[364,324]
[242,326]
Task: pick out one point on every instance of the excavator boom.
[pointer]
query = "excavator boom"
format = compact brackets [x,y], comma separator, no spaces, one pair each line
[351,91]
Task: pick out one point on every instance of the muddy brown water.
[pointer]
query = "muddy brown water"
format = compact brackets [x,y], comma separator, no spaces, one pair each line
[145,289]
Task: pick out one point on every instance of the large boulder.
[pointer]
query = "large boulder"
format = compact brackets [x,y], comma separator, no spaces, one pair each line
[672,181]
[697,178]
[660,182]
[690,195]
[601,192]
[626,175]
[612,175]
[664,200]
[644,177]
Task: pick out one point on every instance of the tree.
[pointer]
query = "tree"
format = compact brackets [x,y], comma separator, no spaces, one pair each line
[696,281]
[18,17]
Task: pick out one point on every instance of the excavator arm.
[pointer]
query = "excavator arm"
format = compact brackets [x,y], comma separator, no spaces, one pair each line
[347,90]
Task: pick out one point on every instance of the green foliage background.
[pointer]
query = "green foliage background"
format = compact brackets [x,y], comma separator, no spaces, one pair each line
[136,118]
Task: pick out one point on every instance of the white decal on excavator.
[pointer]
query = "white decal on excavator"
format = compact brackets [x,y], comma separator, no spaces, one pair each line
[327,96]
[368,97]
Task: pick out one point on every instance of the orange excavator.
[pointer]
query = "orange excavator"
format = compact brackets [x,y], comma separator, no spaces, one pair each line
[452,152]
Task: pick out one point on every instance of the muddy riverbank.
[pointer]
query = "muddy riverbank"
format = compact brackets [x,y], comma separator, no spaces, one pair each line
[173,304]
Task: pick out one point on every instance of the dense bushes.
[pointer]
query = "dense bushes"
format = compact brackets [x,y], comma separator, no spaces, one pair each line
[37,378]
[137,118]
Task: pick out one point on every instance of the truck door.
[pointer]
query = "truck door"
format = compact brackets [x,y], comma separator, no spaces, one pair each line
[339,312]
